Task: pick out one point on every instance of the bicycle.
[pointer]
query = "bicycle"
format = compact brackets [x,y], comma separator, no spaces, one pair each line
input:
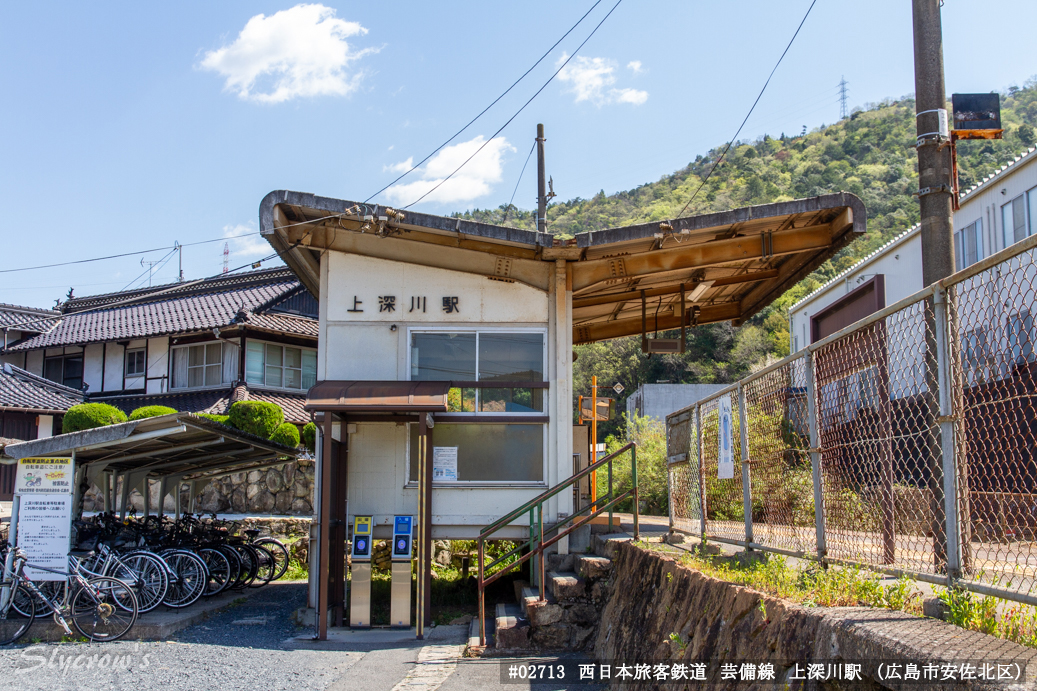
[101,608]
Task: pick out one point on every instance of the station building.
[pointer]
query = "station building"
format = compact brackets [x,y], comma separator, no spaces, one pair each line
[454,339]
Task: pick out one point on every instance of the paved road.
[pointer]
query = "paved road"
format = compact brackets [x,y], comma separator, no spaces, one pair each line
[251,646]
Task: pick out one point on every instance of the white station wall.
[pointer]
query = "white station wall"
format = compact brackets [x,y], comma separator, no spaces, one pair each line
[358,343]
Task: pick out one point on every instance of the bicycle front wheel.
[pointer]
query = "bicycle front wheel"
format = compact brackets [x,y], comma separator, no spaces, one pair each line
[104,609]
[280,553]
[16,621]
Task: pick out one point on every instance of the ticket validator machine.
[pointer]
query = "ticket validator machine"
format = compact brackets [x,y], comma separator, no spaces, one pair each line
[360,588]
[402,537]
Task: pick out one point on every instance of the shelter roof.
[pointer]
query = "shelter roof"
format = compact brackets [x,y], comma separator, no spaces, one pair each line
[25,392]
[180,444]
[731,264]
[379,396]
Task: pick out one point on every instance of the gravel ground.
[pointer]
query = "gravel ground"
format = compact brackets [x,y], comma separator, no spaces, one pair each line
[239,648]
[243,648]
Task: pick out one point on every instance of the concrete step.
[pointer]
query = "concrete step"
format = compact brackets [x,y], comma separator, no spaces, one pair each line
[565,585]
[530,598]
[511,628]
[559,562]
[590,566]
[607,544]
[473,632]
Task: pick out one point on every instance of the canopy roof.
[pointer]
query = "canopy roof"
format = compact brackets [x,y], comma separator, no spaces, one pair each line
[379,396]
[731,264]
[179,444]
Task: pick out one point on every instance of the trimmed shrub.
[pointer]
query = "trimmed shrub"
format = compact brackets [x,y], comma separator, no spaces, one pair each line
[222,419]
[91,415]
[256,417]
[286,434]
[151,411]
[309,436]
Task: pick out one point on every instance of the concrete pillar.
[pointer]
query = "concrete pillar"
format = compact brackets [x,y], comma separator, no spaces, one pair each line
[561,389]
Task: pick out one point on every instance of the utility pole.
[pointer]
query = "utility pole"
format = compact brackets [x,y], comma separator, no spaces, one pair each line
[843,112]
[935,199]
[541,182]
[934,151]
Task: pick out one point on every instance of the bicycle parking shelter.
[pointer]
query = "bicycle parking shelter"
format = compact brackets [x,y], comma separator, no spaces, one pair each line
[444,383]
[169,450]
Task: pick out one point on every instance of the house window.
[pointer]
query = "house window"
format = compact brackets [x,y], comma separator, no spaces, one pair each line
[197,366]
[135,363]
[1020,338]
[483,357]
[65,369]
[976,356]
[1013,221]
[282,367]
[968,245]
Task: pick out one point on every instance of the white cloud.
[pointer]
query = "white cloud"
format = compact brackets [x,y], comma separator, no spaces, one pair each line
[401,167]
[635,96]
[634,66]
[471,182]
[591,78]
[300,51]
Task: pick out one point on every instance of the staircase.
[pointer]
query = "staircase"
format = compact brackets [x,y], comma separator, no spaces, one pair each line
[562,612]
[577,586]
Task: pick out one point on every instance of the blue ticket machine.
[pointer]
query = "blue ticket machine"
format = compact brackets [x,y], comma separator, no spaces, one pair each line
[402,551]
[360,587]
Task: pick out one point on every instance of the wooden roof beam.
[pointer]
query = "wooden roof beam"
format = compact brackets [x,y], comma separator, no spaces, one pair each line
[708,314]
[670,290]
[588,273]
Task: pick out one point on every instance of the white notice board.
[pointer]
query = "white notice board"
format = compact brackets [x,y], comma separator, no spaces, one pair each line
[444,464]
[726,456]
[43,487]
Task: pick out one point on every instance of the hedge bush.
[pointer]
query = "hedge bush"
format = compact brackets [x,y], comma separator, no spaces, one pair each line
[222,419]
[91,415]
[256,417]
[151,411]
[309,436]
[286,434]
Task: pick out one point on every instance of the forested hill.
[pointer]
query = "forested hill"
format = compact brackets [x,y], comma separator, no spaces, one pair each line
[870,154]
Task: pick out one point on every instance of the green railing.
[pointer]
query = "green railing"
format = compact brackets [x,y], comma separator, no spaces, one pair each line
[538,540]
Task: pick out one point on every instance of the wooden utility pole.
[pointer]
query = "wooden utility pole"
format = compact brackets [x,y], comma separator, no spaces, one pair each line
[935,199]
[934,150]
[541,182]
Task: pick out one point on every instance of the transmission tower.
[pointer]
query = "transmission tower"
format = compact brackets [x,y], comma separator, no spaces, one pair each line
[843,112]
[226,257]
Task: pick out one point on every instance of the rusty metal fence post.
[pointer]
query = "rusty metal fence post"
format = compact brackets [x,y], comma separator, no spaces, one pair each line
[747,495]
[701,471]
[815,455]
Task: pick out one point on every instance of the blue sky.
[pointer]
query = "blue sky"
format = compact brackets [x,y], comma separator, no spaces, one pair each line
[128,126]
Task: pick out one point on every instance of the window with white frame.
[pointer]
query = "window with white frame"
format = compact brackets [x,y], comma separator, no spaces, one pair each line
[483,357]
[1021,338]
[280,367]
[196,366]
[1013,221]
[968,245]
[135,362]
[977,357]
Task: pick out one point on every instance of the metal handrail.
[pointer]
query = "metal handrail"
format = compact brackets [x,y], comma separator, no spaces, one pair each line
[537,546]
[547,494]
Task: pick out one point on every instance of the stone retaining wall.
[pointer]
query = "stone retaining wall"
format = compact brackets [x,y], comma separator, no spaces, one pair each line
[653,597]
[283,490]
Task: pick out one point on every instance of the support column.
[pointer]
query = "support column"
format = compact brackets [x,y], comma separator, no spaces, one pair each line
[562,389]
[323,541]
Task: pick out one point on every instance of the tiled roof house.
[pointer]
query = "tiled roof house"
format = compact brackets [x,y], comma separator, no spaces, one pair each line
[196,346]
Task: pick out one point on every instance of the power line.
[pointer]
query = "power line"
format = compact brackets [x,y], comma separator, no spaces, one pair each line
[512,200]
[758,97]
[160,249]
[517,112]
[483,112]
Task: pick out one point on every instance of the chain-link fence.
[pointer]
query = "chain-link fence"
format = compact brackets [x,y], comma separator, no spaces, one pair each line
[906,442]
